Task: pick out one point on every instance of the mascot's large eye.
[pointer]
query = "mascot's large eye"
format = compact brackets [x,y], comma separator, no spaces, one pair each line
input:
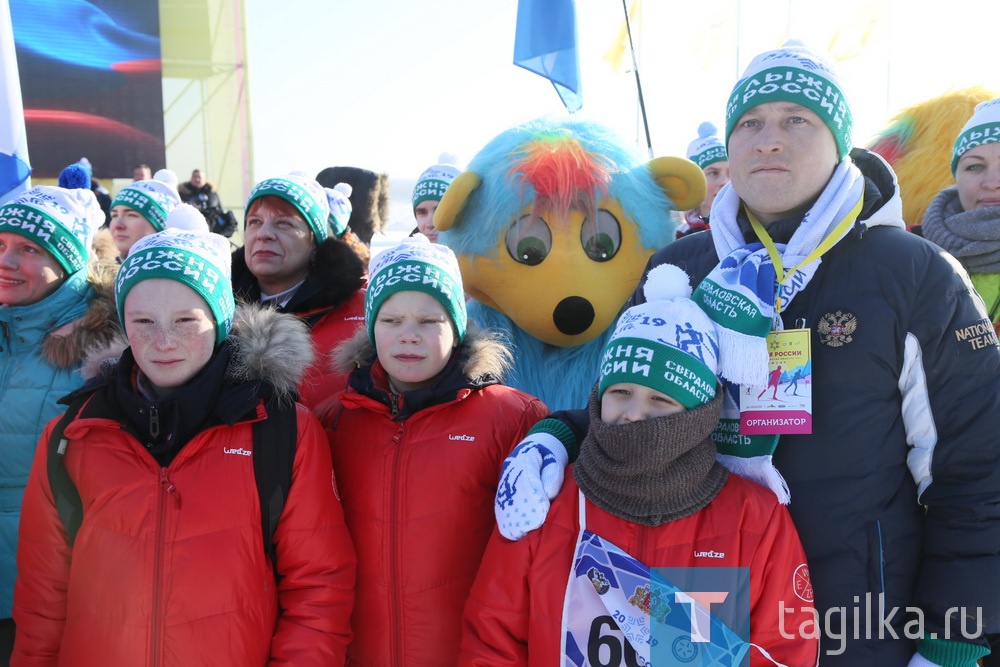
[529,240]
[601,236]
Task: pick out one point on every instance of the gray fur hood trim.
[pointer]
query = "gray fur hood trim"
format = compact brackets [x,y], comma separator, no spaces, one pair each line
[267,345]
[482,353]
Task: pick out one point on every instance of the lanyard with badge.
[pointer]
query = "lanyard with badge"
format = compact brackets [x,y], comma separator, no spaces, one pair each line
[785,403]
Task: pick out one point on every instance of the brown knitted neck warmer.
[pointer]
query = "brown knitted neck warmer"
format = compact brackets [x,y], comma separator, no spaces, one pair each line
[653,471]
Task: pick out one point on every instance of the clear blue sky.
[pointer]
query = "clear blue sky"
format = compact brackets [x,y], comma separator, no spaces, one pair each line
[390,84]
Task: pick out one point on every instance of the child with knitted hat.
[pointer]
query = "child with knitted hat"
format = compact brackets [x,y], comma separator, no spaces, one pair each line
[160,438]
[417,441]
[141,208]
[709,153]
[428,191]
[646,492]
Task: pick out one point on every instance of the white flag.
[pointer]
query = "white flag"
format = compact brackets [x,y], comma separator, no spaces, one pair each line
[15,172]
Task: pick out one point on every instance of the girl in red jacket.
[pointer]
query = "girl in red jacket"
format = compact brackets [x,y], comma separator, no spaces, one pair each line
[650,534]
[418,441]
[169,566]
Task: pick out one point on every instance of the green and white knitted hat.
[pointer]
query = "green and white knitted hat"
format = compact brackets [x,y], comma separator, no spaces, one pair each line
[61,221]
[153,198]
[199,260]
[306,195]
[667,344]
[982,128]
[795,74]
[708,147]
[434,181]
[418,265]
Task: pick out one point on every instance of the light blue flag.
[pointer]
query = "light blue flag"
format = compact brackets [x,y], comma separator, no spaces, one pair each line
[15,173]
[545,43]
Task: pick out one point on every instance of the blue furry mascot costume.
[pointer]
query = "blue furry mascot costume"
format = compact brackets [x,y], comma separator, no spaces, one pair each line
[553,223]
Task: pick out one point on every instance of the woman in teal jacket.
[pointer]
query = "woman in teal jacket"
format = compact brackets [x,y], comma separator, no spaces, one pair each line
[54,304]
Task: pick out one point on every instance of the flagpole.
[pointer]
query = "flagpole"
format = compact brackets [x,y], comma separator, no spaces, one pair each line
[638,82]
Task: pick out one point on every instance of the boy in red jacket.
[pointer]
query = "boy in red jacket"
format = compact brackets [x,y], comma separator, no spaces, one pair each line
[418,440]
[646,493]
[168,566]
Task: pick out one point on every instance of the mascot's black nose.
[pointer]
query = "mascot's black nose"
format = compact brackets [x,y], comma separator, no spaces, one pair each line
[573,315]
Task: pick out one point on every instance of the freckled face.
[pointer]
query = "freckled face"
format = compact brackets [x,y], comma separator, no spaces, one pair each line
[171,332]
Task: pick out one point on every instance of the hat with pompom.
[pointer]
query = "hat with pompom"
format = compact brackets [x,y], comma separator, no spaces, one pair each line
[794,74]
[667,344]
[188,218]
[61,221]
[74,177]
[708,147]
[153,198]
[339,200]
[435,180]
[982,128]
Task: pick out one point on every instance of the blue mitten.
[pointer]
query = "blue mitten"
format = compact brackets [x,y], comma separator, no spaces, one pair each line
[531,476]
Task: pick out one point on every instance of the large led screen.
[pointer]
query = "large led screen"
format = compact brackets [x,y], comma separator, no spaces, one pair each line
[91,83]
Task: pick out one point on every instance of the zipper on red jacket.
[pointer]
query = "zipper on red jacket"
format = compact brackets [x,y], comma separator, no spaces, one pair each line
[395,621]
[167,489]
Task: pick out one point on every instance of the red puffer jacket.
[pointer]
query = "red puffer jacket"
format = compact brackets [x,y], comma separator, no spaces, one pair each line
[320,380]
[515,609]
[168,568]
[418,493]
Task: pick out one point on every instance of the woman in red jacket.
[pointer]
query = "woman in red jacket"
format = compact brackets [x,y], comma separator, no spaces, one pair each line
[168,566]
[300,257]
[418,441]
[590,586]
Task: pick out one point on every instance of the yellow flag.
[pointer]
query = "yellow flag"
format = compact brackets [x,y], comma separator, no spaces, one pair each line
[851,39]
[618,55]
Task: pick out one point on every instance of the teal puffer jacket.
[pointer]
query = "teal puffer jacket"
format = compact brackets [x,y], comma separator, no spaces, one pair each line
[41,348]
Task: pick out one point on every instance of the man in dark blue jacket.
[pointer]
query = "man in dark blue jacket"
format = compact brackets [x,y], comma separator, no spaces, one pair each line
[896,492]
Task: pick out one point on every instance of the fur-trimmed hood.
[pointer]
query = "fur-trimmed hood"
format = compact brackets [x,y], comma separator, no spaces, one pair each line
[481,356]
[68,345]
[266,345]
[335,275]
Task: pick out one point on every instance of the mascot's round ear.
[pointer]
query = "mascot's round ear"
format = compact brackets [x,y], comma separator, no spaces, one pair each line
[454,200]
[681,179]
